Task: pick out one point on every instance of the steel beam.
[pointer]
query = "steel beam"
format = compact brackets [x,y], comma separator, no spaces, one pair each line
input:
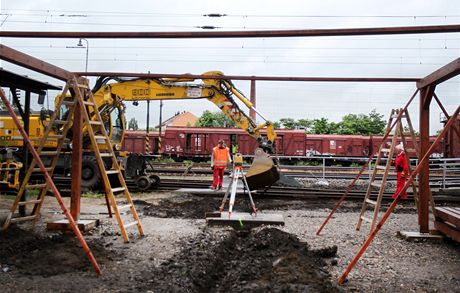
[426,95]
[27,61]
[240,34]
[442,74]
[252,77]
[77,158]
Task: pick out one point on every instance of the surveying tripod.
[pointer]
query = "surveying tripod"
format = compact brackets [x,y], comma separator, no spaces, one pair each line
[231,189]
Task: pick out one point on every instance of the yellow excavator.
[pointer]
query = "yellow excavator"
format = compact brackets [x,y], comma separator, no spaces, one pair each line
[110,98]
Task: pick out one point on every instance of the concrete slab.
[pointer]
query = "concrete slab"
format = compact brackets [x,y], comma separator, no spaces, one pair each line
[63,225]
[240,220]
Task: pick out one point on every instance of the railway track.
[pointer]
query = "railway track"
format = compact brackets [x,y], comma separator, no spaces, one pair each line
[295,193]
[276,192]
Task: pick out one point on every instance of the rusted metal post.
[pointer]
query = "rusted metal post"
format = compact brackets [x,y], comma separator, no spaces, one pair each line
[426,95]
[77,157]
[252,113]
[25,161]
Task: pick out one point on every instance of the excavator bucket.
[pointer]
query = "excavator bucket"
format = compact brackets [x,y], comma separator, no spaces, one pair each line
[262,172]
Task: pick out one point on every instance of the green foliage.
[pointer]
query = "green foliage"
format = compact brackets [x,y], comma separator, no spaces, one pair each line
[288,123]
[360,124]
[91,194]
[164,160]
[276,124]
[132,124]
[308,163]
[214,119]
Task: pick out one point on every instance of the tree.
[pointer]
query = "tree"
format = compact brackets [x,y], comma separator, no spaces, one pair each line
[288,123]
[323,126]
[132,124]
[214,119]
[362,124]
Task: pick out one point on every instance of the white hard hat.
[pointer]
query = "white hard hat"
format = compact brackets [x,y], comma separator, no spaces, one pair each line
[400,147]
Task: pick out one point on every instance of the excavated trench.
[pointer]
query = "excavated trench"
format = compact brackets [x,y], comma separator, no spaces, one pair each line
[266,260]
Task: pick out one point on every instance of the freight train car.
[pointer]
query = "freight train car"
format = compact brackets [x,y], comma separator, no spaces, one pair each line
[337,145]
[195,143]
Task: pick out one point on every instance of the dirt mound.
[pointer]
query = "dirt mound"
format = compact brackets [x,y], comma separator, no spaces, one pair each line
[191,208]
[27,253]
[265,261]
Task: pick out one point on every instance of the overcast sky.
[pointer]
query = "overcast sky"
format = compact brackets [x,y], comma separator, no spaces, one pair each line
[357,56]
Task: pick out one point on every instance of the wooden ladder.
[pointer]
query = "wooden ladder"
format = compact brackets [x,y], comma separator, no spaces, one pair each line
[56,130]
[92,122]
[397,132]
[116,185]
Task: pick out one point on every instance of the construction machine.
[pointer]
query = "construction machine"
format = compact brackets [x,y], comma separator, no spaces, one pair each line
[110,98]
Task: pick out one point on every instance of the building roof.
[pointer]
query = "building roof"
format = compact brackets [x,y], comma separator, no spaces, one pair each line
[181,119]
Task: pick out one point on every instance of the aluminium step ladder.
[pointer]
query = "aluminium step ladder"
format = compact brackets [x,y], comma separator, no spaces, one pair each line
[397,132]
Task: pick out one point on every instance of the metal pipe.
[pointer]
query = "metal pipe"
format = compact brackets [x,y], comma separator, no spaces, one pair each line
[240,34]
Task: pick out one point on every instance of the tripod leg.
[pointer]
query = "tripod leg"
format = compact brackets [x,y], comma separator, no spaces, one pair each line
[224,200]
[236,175]
[253,205]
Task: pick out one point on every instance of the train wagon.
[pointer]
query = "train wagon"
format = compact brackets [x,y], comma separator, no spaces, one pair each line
[196,142]
[135,142]
[337,145]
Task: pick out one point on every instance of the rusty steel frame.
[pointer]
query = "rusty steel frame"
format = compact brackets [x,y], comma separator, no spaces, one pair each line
[390,209]
[429,29]
[364,167]
[250,77]
[426,85]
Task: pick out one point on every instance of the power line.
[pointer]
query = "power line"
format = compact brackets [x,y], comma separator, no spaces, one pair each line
[86,13]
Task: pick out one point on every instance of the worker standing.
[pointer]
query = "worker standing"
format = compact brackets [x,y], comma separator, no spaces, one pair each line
[219,160]
[402,170]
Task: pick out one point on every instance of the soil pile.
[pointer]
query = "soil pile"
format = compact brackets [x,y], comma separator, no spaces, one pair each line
[187,208]
[26,253]
[265,261]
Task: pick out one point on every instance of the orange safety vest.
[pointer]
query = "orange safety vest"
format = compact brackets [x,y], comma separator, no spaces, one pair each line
[220,156]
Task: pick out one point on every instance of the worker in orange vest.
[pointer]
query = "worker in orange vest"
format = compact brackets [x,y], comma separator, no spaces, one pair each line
[219,160]
[402,170]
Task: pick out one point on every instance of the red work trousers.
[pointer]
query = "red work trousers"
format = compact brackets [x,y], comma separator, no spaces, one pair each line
[400,181]
[218,177]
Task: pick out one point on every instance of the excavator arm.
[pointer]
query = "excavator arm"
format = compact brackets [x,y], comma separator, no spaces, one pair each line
[221,92]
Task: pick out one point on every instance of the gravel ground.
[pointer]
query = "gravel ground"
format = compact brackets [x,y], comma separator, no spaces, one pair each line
[390,264]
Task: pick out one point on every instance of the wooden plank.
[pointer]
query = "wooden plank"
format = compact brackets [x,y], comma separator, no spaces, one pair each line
[448,215]
[239,220]
[63,225]
[447,230]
